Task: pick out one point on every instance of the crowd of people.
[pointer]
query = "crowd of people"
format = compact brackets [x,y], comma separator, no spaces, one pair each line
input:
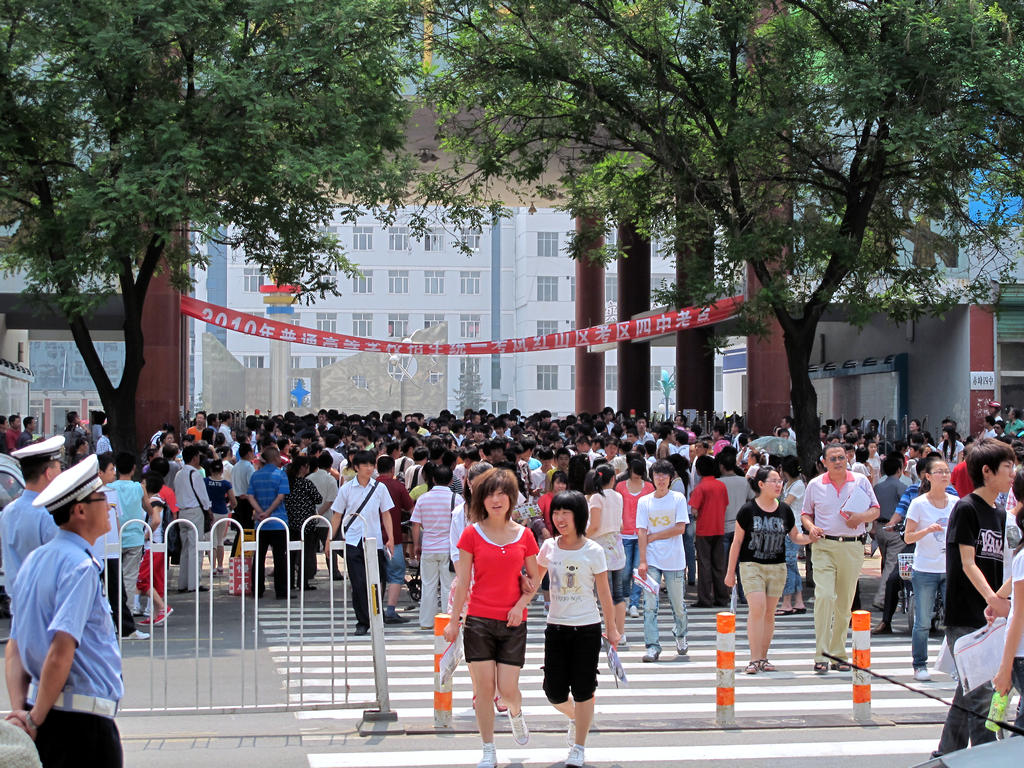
[597,513]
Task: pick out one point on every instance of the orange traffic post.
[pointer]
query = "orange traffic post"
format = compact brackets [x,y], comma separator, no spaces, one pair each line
[862,659]
[725,673]
[442,691]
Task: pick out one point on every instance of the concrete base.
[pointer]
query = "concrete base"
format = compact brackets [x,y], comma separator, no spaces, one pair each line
[377,723]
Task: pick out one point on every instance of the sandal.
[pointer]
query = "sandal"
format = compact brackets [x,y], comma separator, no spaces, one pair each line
[781,612]
[799,610]
[766,666]
[840,666]
[498,705]
[820,667]
[753,667]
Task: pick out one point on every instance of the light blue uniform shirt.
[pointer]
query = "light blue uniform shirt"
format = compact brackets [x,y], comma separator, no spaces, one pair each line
[60,589]
[130,494]
[23,529]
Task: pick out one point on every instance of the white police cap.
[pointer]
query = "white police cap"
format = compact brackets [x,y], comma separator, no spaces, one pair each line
[49,450]
[73,484]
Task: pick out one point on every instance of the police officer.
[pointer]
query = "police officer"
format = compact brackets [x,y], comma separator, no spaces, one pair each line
[63,663]
[23,526]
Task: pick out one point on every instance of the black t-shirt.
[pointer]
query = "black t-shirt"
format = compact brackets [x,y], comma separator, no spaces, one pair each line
[974,523]
[764,533]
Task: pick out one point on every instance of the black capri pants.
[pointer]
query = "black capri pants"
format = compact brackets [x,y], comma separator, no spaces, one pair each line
[570,661]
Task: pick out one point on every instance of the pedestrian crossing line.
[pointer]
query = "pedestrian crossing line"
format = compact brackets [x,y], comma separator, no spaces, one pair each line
[630,755]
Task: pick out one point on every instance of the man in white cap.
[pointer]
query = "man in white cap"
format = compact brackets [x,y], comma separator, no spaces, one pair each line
[23,526]
[63,664]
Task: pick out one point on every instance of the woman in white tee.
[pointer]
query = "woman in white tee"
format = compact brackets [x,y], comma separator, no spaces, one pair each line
[605,529]
[927,518]
[1011,669]
[572,638]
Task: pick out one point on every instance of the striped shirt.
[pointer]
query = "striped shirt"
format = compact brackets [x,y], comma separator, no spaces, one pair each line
[433,511]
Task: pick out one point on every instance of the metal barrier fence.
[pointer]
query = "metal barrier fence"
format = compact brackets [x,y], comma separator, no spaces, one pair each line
[178,650]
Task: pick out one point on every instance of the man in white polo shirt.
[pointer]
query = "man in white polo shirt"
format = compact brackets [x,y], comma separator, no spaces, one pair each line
[838,507]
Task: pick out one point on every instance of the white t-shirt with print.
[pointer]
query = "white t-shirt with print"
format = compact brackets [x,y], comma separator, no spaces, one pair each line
[656,515]
[1018,576]
[930,555]
[610,504]
[571,573]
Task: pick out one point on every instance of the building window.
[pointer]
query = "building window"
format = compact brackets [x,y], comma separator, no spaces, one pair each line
[398,239]
[547,288]
[611,236]
[252,279]
[434,377]
[398,281]
[359,382]
[362,324]
[323,361]
[469,366]
[547,377]
[430,320]
[655,378]
[254,361]
[295,362]
[327,321]
[433,282]
[363,283]
[611,378]
[362,238]
[434,240]
[572,288]
[398,326]
[611,287]
[471,239]
[469,283]
[469,326]
[547,244]
[572,377]
[544,327]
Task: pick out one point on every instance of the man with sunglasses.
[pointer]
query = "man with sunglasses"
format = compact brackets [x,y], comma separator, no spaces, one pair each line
[63,664]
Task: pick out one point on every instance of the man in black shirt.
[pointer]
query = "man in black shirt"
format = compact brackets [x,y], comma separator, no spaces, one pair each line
[974,571]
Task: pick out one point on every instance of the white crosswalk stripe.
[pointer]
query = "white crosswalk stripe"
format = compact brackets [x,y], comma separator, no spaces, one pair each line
[674,687]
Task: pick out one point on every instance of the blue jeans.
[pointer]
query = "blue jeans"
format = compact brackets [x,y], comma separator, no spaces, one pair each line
[625,574]
[674,585]
[794,583]
[926,586]
[689,537]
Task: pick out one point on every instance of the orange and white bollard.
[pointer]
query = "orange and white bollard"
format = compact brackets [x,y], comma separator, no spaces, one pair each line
[725,674]
[861,658]
[442,691]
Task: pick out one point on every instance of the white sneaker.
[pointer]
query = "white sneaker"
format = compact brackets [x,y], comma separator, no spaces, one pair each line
[570,737]
[651,655]
[520,733]
[138,634]
[623,643]
[922,675]
[575,757]
[682,646]
[634,612]
[489,758]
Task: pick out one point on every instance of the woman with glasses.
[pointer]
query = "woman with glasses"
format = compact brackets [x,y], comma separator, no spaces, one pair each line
[927,518]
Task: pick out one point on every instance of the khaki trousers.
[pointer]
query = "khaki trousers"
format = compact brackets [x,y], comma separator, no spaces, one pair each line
[837,566]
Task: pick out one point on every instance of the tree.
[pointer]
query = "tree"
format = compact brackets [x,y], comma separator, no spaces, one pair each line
[804,146]
[470,393]
[126,126]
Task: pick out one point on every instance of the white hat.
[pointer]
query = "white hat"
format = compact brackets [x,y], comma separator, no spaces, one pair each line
[47,449]
[73,484]
[16,748]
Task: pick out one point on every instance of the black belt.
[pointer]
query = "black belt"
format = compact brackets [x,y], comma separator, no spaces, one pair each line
[862,538]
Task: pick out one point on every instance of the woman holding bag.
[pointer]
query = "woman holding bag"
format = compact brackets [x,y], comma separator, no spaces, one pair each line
[605,528]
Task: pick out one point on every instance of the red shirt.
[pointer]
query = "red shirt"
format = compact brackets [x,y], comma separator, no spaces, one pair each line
[961,480]
[629,505]
[496,572]
[403,505]
[710,498]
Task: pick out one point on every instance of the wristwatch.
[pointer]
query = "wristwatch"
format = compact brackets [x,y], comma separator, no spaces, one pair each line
[30,721]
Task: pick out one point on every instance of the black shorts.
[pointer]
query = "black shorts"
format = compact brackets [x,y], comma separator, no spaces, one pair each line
[570,661]
[493,640]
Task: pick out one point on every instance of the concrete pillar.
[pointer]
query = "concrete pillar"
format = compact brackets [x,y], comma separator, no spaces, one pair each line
[589,312]
[768,398]
[695,361]
[280,369]
[634,358]
[161,395]
[982,358]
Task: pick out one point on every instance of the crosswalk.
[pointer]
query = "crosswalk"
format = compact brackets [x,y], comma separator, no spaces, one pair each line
[673,691]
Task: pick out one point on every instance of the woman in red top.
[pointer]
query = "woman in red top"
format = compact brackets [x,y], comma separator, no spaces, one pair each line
[493,551]
[631,489]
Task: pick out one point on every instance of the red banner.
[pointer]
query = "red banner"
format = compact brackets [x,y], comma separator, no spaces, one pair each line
[643,328]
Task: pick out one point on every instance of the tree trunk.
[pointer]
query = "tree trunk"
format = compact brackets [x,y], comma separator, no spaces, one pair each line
[798,340]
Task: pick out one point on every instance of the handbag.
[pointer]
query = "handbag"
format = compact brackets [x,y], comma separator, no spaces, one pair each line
[614,553]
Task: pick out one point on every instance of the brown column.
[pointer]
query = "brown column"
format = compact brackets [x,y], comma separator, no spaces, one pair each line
[161,383]
[634,358]
[768,397]
[695,361]
[589,312]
